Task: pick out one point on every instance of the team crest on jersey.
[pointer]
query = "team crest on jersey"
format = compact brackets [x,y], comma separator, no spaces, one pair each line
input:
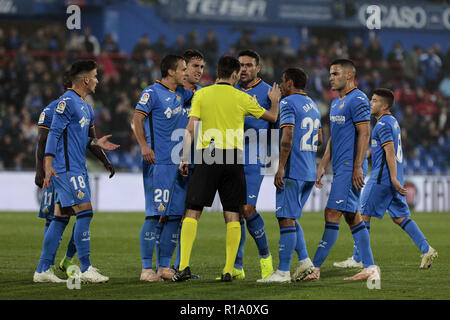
[161,207]
[41,118]
[144,98]
[61,107]
[80,195]
[341,106]
[178,98]
[374,143]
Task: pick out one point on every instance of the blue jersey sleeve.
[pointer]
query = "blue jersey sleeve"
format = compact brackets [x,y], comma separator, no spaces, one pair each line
[360,110]
[287,114]
[61,119]
[45,119]
[92,116]
[384,133]
[146,102]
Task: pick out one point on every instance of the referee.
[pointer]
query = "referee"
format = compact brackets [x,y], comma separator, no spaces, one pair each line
[220,109]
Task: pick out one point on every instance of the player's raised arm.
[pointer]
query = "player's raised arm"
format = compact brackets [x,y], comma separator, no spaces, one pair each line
[274,95]
[363,133]
[138,124]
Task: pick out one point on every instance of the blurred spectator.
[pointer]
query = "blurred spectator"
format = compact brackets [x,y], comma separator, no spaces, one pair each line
[142,45]
[356,51]
[375,51]
[89,42]
[160,47]
[425,105]
[411,65]
[180,44]
[39,42]
[210,47]
[430,65]
[13,40]
[110,45]
[396,58]
[444,86]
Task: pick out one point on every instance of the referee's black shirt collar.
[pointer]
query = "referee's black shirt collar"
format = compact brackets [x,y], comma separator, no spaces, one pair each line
[223,82]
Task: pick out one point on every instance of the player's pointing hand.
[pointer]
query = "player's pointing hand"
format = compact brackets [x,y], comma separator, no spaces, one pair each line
[274,93]
[105,144]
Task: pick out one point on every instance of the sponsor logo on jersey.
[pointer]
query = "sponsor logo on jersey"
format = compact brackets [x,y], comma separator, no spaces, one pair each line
[83,122]
[338,119]
[144,98]
[61,107]
[169,112]
[41,118]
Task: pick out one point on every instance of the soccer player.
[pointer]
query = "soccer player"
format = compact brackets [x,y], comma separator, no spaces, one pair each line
[158,113]
[384,191]
[195,65]
[346,149]
[65,167]
[300,137]
[221,109]
[254,163]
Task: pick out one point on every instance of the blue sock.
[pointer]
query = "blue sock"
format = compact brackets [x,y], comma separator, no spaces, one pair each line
[71,248]
[362,242]
[52,238]
[158,230]
[288,241]
[329,237]
[356,255]
[300,247]
[168,240]
[239,262]
[148,241]
[416,235]
[178,255]
[256,228]
[82,238]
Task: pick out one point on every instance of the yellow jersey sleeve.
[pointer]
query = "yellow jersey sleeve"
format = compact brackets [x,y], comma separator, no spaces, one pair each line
[251,106]
[195,106]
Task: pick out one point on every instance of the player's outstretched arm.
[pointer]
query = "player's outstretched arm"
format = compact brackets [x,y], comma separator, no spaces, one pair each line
[274,95]
[363,133]
[98,152]
[326,158]
[287,136]
[392,166]
[138,128]
[104,143]
[40,150]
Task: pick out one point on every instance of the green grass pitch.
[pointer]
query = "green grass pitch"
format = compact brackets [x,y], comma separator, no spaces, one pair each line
[115,251]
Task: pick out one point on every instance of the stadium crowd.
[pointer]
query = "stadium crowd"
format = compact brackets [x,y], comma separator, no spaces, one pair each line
[32,65]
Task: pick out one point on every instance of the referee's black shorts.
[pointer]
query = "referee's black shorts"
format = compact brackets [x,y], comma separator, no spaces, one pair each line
[207,179]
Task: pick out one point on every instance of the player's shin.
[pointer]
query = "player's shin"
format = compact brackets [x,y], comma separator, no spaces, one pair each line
[288,241]
[82,238]
[168,240]
[239,262]
[362,241]
[256,228]
[147,241]
[329,237]
[52,239]
[415,234]
[300,246]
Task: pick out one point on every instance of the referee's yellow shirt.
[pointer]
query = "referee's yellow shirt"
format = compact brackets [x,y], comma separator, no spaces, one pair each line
[221,109]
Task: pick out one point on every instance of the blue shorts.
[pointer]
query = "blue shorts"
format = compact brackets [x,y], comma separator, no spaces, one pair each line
[165,190]
[291,199]
[72,188]
[47,209]
[254,178]
[343,195]
[377,199]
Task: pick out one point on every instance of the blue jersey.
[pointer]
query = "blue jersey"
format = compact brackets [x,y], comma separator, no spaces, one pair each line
[386,131]
[46,117]
[164,112]
[301,112]
[69,132]
[345,114]
[252,152]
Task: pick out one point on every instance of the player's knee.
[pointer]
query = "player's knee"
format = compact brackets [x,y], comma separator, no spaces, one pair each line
[332,215]
[248,210]
[398,220]
[286,222]
[82,207]
[352,218]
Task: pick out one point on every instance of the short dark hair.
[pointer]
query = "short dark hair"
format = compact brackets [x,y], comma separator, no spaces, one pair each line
[344,63]
[81,66]
[67,82]
[250,53]
[298,77]
[191,54]
[169,62]
[226,66]
[387,95]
